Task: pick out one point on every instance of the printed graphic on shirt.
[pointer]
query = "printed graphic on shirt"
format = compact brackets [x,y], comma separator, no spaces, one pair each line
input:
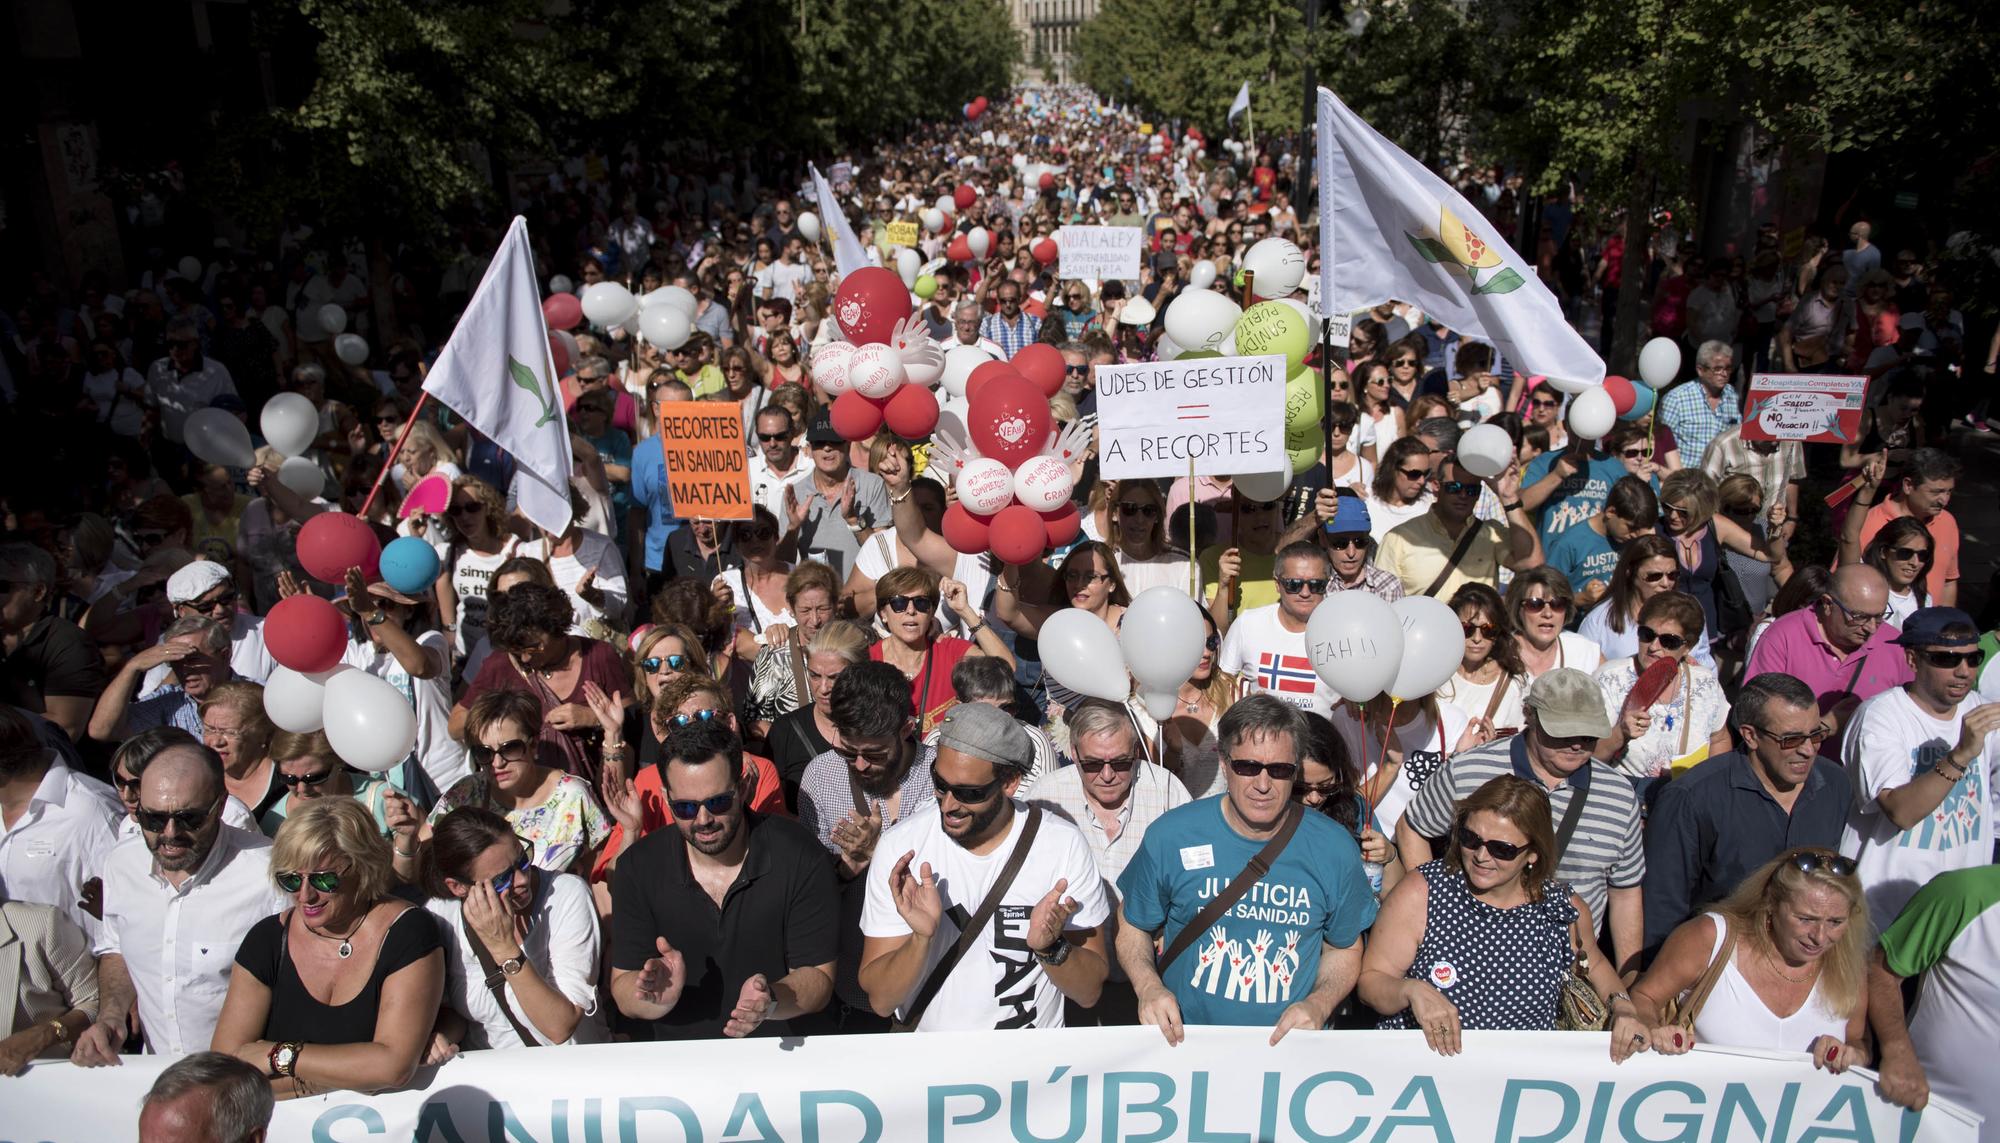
[1261,973]
[1014,981]
[1419,765]
[1956,821]
[1285,674]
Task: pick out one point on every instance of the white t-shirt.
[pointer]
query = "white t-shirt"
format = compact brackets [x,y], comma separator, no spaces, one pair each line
[561,944]
[1889,743]
[998,983]
[1954,936]
[471,577]
[442,756]
[1472,698]
[1575,652]
[593,550]
[1901,606]
[787,277]
[1267,658]
[1163,569]
[1424,745]
[1383,516]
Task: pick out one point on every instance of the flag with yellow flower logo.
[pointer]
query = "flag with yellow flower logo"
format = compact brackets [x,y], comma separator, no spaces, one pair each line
[1390,230]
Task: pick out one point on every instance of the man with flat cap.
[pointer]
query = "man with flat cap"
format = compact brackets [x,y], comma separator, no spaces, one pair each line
[982,912]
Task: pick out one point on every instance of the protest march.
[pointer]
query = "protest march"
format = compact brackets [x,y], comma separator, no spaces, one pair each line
[1168,639]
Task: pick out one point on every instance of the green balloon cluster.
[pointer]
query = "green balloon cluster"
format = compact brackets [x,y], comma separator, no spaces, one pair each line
[1305,403]
[1274,327]
[925,287]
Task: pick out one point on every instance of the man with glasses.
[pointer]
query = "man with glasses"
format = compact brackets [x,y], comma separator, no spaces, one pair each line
[178,900]
[197,650]
[1698,413]
[834,504]
[727,924]
[691,699]
[1447,547]
[1719,822]
[1595,811]
[184,382]
[1289,950]
[965,329]
[778,460]
[1840,646]
[594,375]
[1041,946]
[1010,329]
[1923,759]
[1265,648]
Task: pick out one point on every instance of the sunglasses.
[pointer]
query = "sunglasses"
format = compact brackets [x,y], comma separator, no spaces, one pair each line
[1498,850]
[297,780]
[758,533]
[904,603]
[1075,370]
[1545,604]
[773,438]
[185,821]
[1214,642]
[1086,576]
[1135,508]
[1951,660]
[512,750]
[687,809]
[1812,861]
[1097,765]
[1541,404]
[1459,488]
[1405,363]
[1635,454]
[1667,642]
[1654,576]
[148,539]
[1343,543]
[690,717]
[653,663]
[1483,630]
[1250,768]
[226,599]
[1292,586]
[1415,473]
[322,881]
[1816,735]
[126,785]
[966,795]
[1326,789]
[1909,553]
[387,420]
[504,881]
[467,509]
[1671,509]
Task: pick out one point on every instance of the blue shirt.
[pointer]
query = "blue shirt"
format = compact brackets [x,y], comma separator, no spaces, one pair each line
[1263,955]
[168,706]
[649,487]
[1685,410]
[1011,339]
[1578,497]
[1582,555]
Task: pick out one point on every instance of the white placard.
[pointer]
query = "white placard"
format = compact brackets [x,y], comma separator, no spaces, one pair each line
[1225,414]
[1100,252]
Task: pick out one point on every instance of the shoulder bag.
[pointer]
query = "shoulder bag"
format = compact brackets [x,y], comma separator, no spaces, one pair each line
[1682,1010]
[969,935]
[1472,530]
[1223,901]
[496,982]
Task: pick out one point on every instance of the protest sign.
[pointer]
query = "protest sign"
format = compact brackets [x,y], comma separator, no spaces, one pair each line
[708,471]
[1084,1083]
[1221,415]
[1804,407]
[1098,252]
[840,174]
[902,234]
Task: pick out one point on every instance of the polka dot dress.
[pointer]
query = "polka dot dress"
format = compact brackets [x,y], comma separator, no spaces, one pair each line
[1501,968]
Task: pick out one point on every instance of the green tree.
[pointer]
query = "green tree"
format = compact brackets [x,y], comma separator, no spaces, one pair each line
[1186,59]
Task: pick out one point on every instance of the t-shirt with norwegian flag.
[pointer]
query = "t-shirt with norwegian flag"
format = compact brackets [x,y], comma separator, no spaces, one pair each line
[1266,657]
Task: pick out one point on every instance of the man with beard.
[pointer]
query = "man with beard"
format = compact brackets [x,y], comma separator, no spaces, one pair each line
[724,925]
[178,900]
[1037,943]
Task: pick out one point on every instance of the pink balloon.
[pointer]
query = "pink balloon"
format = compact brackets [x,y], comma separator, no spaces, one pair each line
[1009,420]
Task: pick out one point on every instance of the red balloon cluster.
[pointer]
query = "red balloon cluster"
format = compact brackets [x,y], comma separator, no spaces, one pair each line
[869,305]
[1041,363]
[965,196]
[1008,420]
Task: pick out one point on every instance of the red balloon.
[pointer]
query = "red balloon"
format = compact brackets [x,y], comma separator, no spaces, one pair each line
[1042,364]
[959,249]
[986,371]
[1018,534]
[1063,525]
[1620,391]
[965,196]
[964,531]
[1046,251]
[855,417]
[871,302]
[559,353]
[562,311]
[332,542]
[306,633]
[980,102]
[1009,422]
[912,412]
[1047,181]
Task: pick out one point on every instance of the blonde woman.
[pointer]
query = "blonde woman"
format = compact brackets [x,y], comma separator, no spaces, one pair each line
[424,452]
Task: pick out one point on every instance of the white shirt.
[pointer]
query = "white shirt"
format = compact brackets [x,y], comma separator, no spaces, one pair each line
[562,945]
[1425,746]
[441,756]
[179,944]
[1574,651]
[1472,698]
[1265,657]
[1383,516]
[593,551]
[1596,629]
[998,983]
[768,487]
[180,395]
[59,842]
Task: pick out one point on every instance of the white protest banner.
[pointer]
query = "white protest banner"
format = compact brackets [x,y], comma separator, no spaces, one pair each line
[1222,414]
[1804,407]
[1220,1084]
[1099,252]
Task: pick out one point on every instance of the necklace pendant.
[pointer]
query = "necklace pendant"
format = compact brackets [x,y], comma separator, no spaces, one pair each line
[346,950]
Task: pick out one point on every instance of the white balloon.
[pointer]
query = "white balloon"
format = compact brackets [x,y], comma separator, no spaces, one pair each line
[1202,319]
[1264,487]
[665,326]
[1570,385]
[1202,276]
[979,240]
[607,303]
[1044,483]
[1355,645]
[1660,362]
[290,423]
[1592,414]
[830,366]
[368,722]
[1433,646]
[1081,653]
[1485,451]
[1279,266]
[933,219]
[947,205]
[297,702]
[219,438]
[190,268]
[1161,704]
[1165,348]
[560,284]
[959,362]
[302,475]
[1163,637]
[908,262]
[332,318]
[351,348]
[809,226]
[875,370]
[985,486]
[679,297]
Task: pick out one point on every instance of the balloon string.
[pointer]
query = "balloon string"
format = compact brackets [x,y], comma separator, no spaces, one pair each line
[1388,729]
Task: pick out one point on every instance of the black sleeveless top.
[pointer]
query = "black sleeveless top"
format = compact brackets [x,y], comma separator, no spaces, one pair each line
[295,1014]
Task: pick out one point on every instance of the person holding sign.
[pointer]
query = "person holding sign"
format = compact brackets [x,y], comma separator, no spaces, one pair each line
[1925,489]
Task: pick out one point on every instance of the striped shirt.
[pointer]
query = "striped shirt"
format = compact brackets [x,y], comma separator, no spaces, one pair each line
[1607,851]
[1154,791]
[827,793]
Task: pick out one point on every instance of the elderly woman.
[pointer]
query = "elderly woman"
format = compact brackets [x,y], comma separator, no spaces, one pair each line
[1646,567]
[539,657]
[234,725]
[345,936]
[1688,502]
[1539,602]
[803,734]
[905,600]
[1781,964]
[1490,681]
[522,943]
[1686,722]
[1484,937]
[778,674]
[556,813]
[311,770]
[425,451]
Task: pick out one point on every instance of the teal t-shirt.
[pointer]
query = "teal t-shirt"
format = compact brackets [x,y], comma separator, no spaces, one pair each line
[1577,498]
[1582,555]
[1263,954]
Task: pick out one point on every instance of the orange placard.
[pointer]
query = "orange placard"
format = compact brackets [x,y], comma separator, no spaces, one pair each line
[708,467]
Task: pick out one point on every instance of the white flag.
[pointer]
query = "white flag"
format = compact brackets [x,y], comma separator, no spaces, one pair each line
[496,372]
[1391,230]
[1242,102]
[847,253]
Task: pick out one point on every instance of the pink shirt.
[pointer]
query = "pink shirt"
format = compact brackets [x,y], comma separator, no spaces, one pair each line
[1795,645]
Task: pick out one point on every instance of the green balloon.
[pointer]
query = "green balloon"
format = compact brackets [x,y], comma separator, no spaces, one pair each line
[1304,458]
[1196,354]
[1305,403]
[925,287]
[1274,327]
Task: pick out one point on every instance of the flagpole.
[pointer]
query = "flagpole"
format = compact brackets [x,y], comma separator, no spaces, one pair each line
[389,461]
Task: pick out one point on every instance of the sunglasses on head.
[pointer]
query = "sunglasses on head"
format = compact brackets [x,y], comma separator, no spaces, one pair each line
[1950,660]
[690,717]
[1097,765]
[1816,735]
[1250,768]
[965,795]
[512,750]
[185,821]
[653,663]
[687,809]
[297,780]
[905,603]
[1813,860]
[1136,508]
[1666,641]
[1293,586]
[1498,850]
[322,880]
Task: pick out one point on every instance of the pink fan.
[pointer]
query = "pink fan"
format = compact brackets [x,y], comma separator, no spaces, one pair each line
[431,496]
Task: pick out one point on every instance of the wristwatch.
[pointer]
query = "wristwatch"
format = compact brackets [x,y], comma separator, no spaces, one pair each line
[513,965]
[377,618]
[1055,954]
[284,1057]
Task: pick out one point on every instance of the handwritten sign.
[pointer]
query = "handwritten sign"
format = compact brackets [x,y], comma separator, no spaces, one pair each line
[840,174]
[1220,415]
[1100,251]
[708,470]
[902,234]
[1804,407]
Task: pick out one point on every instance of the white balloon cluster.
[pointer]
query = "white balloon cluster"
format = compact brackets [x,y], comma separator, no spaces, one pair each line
[366,719]
[1158,645]
[1365,647]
